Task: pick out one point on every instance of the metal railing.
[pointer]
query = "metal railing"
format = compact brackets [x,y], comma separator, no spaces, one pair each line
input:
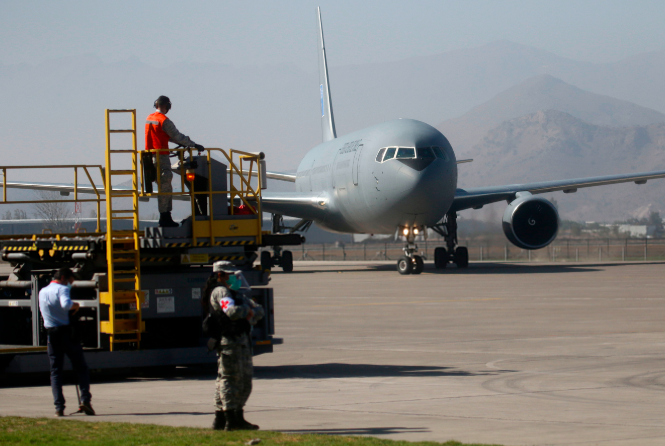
[562,250]
[76,188]
[236,159]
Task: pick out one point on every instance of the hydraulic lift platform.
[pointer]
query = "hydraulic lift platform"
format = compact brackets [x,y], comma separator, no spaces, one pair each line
[140,291]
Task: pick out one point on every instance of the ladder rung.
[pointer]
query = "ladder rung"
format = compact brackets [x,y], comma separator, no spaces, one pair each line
[123,260]
[122,218]
[122,151]
[131,271]
[125,251]
[123,193]
[124,211]
[122,131]
[123,172]
[132,279]
[127,312]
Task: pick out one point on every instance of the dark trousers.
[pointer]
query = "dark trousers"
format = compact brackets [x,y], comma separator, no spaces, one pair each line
[60,343]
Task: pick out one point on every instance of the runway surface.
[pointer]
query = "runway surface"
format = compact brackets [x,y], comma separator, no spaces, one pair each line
[515,354]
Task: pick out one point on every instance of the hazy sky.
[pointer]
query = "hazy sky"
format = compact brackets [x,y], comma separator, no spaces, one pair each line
[162,33]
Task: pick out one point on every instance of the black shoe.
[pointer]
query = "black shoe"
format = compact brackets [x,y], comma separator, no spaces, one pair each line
[87,409]
[246,424]
[166,221]
[232,422]
[220,421]
[60,413]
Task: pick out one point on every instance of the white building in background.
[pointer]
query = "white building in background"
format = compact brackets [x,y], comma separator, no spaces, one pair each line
[639,231]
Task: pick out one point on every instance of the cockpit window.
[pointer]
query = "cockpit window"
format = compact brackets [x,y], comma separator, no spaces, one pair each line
[379,155]
[439,153]
[425,152]
[390,153]
[406,153]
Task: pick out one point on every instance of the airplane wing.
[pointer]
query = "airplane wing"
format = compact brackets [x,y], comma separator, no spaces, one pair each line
[66,189]
[308,206]
[279,176]
[475,198]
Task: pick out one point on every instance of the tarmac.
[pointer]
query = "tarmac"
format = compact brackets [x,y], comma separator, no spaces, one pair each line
[511,354]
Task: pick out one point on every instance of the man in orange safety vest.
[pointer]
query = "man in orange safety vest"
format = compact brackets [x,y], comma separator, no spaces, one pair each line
[159,131]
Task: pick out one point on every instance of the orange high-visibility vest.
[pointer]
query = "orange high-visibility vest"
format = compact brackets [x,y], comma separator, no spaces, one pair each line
[155,136]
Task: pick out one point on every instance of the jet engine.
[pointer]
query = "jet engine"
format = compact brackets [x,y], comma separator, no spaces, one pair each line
[530,222]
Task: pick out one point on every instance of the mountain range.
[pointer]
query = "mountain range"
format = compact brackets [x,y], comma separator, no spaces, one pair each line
[497,103]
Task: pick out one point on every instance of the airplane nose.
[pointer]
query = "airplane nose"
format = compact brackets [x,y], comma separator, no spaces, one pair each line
[428,186]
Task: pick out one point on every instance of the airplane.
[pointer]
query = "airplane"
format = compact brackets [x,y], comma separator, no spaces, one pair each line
[400,177]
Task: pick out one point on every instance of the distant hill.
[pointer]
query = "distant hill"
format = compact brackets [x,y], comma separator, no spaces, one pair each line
[275,108]
[544,92]
[550,144]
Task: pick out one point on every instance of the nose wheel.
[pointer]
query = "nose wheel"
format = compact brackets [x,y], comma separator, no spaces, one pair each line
[410,265]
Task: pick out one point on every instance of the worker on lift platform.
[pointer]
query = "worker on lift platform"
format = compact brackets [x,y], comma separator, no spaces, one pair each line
[159,131]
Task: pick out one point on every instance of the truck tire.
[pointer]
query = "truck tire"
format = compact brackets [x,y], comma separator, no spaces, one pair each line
[266,261]
[287,261]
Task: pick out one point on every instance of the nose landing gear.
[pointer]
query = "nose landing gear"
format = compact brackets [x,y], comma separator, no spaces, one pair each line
[452,253]
[410,262]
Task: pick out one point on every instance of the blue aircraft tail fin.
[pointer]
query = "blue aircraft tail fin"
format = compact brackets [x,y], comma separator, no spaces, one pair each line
[327,117]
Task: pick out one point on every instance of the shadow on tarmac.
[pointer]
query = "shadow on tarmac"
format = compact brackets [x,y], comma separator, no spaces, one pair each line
[359,431]
[334,370]
[473,269]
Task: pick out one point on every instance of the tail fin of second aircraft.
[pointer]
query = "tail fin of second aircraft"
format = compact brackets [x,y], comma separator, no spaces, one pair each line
[327,117]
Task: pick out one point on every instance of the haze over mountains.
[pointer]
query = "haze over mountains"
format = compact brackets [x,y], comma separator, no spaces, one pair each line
[53,112]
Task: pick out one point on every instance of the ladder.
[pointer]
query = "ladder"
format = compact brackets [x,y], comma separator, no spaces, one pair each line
[124,295]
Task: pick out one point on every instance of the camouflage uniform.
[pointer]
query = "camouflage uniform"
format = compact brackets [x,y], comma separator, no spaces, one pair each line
[164,202]
[234,371]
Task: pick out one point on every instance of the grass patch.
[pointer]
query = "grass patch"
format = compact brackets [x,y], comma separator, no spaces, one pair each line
[56,432]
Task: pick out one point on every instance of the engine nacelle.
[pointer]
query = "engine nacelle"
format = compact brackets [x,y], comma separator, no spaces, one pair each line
[530,222]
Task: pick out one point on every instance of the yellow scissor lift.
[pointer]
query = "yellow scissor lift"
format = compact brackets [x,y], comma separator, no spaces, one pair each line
[119,253]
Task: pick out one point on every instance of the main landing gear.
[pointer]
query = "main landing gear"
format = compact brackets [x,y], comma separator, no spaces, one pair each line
[282,257]
[452,253]
[410,262]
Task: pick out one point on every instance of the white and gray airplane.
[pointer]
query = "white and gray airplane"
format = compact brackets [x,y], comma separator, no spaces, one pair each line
[400,177]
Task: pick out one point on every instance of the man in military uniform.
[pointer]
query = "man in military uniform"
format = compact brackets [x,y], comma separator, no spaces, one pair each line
[237,312]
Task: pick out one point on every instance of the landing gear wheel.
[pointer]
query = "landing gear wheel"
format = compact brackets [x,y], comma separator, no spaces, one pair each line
[404,265]
[266,261]
[462,257]
[440,258]
[419,265]
[287,261]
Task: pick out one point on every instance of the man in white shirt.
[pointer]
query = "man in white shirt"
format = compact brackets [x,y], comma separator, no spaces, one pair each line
[55,305]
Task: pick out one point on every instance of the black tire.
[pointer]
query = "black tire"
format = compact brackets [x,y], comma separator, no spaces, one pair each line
[404,265]
[462,257]
[266,260]
[419,265]
[287,261]
[440,258]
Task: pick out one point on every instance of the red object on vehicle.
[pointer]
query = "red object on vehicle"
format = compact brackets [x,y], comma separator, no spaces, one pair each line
[243,209]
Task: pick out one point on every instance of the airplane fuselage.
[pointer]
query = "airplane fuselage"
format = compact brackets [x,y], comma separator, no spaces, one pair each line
[362,193]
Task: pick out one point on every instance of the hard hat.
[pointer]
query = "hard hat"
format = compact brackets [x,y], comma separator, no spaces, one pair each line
[224,266]
[163,100]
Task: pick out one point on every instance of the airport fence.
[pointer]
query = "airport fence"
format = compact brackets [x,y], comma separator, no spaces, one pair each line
[562,250]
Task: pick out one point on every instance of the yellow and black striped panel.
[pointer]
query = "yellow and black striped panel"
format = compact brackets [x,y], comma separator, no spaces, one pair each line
[20,248]
[70,248]
[156,259]
[215,258]
[200,244]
